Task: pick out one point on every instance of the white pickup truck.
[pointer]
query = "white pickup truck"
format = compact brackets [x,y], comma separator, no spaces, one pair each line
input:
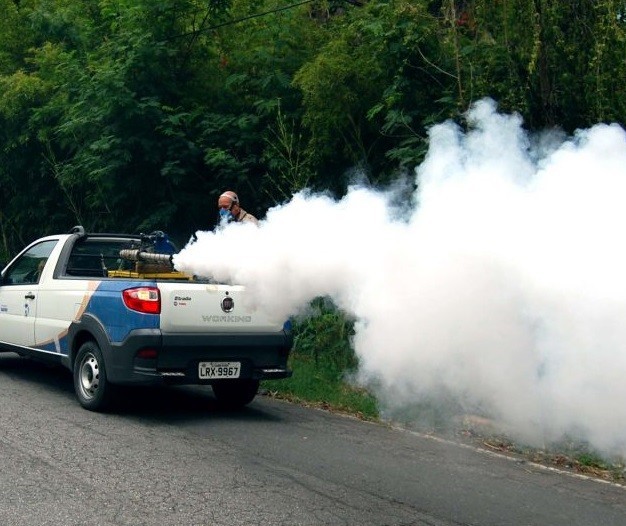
[111,320]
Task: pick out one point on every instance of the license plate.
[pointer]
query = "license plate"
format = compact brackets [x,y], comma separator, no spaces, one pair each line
[218,370]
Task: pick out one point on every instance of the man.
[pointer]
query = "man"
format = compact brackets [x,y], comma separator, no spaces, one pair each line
[229,209]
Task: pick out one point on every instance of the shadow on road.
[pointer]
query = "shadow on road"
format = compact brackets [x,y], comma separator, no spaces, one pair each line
[182,404]
[158,403]
[53,377]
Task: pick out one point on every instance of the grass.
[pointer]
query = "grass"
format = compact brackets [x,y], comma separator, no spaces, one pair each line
[324,387]
[322,360]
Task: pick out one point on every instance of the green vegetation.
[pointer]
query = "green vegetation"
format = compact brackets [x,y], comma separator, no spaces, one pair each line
[136,114]
[323,386]
[322,361]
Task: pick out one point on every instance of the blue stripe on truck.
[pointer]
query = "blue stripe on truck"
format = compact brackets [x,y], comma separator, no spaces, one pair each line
[106,304]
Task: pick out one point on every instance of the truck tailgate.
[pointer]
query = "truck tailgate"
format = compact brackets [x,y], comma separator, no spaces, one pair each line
[201,307]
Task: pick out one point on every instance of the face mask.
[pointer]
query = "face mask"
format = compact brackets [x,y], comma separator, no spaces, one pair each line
[226,216]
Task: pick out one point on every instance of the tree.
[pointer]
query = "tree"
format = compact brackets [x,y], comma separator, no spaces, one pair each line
[382,77]
[557,63]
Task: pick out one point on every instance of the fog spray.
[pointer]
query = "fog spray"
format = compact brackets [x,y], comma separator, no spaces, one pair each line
[499,286]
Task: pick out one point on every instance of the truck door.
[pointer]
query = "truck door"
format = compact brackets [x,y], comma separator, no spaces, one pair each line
[19,290]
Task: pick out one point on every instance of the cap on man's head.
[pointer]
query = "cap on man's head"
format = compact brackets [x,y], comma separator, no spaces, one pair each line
[231,195]
[227,200]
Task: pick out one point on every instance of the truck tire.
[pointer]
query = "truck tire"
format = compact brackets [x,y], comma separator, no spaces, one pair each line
[92,388]
[235,394]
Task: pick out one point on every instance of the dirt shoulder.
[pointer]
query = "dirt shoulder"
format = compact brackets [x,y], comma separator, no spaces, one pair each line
[482,433]
[570,456]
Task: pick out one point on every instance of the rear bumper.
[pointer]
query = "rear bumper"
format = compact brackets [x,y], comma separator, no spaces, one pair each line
[262,356]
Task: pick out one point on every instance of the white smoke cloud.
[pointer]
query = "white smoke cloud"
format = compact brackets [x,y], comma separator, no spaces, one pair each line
[504,287]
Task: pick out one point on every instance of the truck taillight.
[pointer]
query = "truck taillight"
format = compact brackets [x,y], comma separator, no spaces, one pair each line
[148,353]
[143,299]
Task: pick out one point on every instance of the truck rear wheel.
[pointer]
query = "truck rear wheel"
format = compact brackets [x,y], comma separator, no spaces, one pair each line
[92,388]
[235,394]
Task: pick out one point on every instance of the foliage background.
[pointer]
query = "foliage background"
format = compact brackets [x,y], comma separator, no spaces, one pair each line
[135,115]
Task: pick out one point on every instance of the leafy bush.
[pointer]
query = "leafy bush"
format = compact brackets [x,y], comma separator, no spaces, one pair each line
[324,335]
[321,360]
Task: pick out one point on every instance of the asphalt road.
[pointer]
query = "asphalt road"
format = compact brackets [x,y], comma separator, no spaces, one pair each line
[170,457]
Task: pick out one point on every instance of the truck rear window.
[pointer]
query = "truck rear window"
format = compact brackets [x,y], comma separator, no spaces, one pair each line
[94,257]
